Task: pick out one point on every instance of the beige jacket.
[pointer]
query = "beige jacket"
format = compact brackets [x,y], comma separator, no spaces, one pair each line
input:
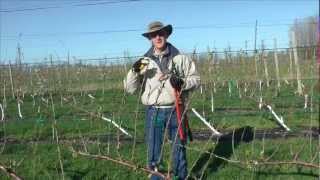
[157,89]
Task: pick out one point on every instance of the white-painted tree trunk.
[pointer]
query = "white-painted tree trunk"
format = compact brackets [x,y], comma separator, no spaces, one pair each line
[206,122]
[279,119]
[2,112]
[19,109]
[116,125]
[212,103]
[305,101]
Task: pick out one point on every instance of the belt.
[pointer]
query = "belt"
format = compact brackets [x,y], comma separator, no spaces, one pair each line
[163,106]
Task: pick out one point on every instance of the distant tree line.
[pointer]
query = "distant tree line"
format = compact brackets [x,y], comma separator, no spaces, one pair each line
[306,33]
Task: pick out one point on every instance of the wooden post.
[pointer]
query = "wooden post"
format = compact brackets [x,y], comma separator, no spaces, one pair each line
[104,76]
[194,53]
[216,65]
[86,76]
[80,78]
[68,77]
[256,59]
[226,56]
[315,53]
[52,74]
[212,66]
[209,59]
[306,55]
[276,63]
[126,58]
[242,64]
[264,58]
[296,61]
[4,101]
[213,57]
[48,77]
[11,80]
[31,81]
[290,62]
[229,54]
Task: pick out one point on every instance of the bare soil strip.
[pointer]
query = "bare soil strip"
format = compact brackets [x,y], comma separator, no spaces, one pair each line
[199,135]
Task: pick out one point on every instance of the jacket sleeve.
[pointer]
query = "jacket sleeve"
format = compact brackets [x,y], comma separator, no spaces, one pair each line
[131,82]
[189,72]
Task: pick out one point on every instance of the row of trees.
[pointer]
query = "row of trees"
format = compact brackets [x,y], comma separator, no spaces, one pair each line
[306,32]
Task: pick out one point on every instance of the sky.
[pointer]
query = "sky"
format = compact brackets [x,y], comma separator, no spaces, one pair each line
[108,28]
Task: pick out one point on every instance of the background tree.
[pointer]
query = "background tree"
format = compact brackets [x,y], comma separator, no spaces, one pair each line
[306,34]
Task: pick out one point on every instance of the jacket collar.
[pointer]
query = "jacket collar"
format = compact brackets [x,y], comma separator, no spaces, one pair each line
[170,51]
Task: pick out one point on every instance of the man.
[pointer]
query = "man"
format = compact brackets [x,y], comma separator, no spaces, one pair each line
[163,74]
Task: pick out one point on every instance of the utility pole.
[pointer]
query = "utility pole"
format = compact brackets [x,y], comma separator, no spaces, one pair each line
[18,58]
[255,49]
[255,36]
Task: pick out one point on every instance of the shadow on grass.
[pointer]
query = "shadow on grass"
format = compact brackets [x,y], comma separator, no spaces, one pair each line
[206,165]
[75,175]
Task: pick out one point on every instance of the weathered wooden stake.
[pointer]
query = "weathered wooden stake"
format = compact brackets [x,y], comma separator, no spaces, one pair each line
[4,100]
[264,58]
[11,80]
[290,63]
[296,61]
[256,59]
[277,64]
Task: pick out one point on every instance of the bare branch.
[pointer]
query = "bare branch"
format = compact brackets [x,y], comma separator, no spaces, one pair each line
[298,163]
[121,162]
[10,172]
[297,154]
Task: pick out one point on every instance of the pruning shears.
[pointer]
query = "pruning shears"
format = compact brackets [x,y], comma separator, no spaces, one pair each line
[179,110]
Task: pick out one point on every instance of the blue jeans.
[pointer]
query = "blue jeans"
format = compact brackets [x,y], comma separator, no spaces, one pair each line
[157,120]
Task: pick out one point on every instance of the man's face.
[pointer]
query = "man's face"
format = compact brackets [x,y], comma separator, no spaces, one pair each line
[158,39]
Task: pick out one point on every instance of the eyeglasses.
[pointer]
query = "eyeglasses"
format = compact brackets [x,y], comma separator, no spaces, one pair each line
[158,33]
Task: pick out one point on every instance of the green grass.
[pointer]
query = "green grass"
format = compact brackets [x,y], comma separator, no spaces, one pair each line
[35,154]
[40,161]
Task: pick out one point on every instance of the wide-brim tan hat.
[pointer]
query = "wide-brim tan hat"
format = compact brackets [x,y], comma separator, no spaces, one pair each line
[157,26]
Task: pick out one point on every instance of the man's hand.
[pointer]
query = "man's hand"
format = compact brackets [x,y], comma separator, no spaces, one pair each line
[140,65]
[176,82]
